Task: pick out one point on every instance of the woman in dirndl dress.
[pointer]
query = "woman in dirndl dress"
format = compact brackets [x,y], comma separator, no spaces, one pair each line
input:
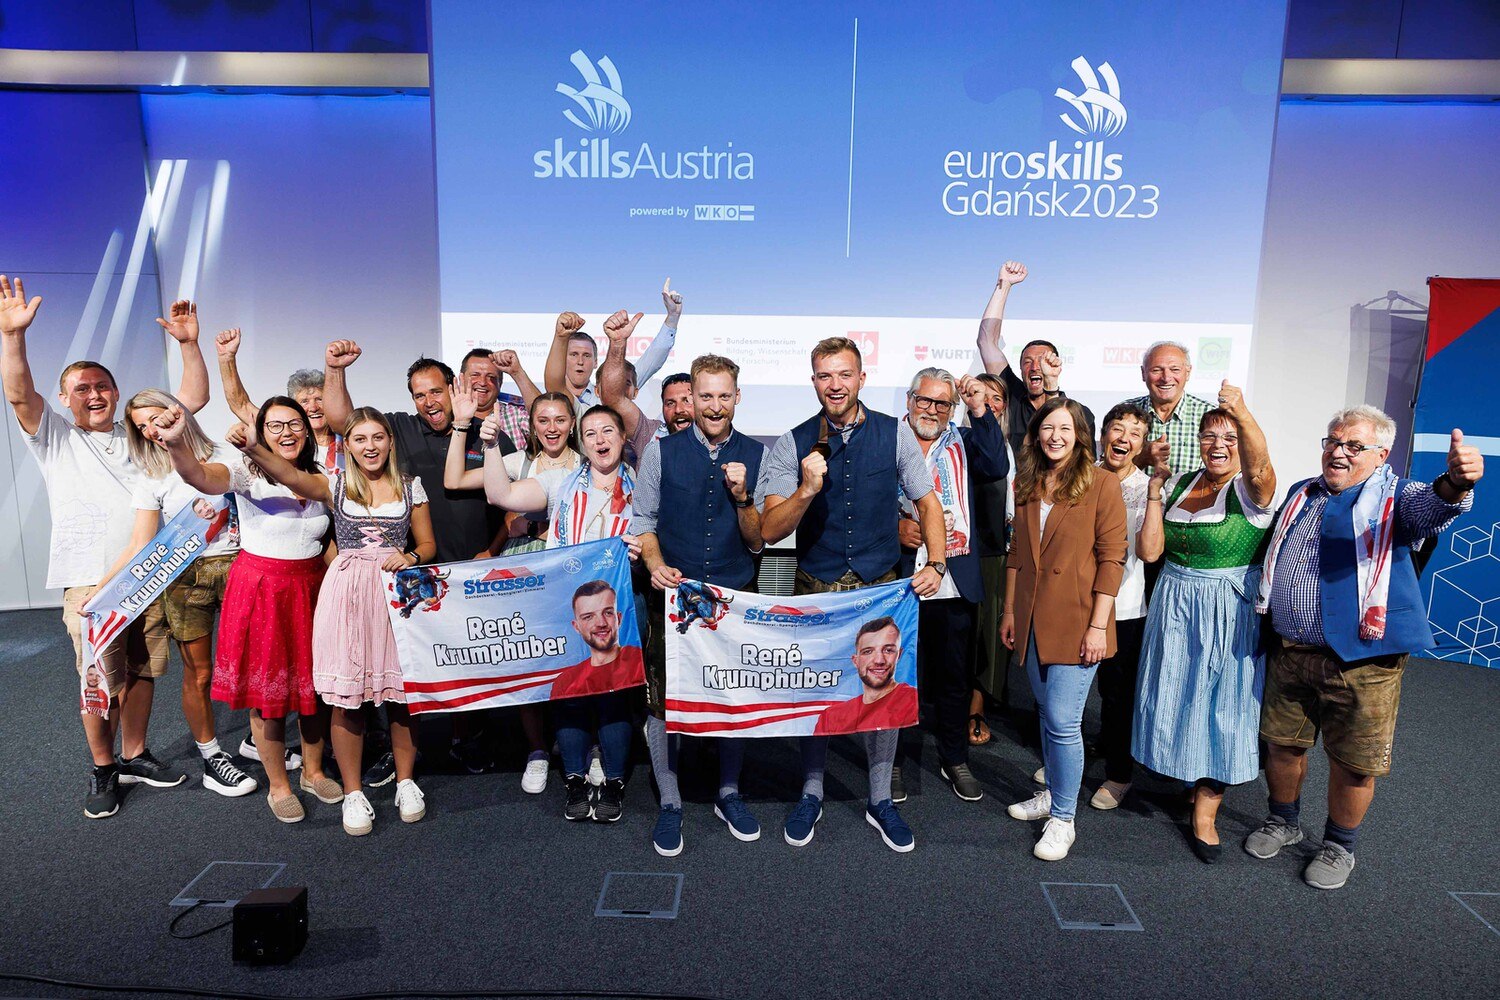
[1202,666]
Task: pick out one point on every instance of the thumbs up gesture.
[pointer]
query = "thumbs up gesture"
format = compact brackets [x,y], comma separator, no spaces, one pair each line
[1465,463]
[1157,454]
[1231,398]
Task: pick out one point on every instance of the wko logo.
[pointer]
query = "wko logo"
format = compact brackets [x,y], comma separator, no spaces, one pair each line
[505,581]
[786,616]
[601,110]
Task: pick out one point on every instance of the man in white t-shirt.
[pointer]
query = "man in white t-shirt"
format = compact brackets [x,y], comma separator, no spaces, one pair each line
[86,465]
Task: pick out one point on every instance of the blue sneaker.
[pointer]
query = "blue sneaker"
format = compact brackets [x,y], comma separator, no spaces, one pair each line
[732,810]
[893,829]
[803,821]
[667,837]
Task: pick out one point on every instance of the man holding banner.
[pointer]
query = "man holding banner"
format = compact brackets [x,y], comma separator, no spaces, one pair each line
[829,479]
[712,536]
[85,462]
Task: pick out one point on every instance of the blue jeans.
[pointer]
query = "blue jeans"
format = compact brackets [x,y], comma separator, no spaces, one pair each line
[575,728]
[1061,690]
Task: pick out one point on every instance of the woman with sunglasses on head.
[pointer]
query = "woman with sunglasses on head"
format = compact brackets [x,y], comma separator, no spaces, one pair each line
[264,658]
[378,515]
[549,446]
[590,502]
[1202,667]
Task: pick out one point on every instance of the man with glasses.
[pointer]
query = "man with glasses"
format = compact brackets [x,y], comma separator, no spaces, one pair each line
[956,458]
[835,480]
[1342,594]
[1172,436]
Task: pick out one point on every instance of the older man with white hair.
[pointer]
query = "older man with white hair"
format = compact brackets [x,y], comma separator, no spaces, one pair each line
[1342,594]
[1175,413]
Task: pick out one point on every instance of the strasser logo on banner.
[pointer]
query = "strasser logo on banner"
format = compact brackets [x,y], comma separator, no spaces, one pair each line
[740,664]
[601,110]
[1070,179]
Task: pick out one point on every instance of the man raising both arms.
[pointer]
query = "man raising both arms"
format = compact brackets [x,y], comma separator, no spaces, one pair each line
[1041,367]
[85,462]
[831,480]
[571,360]
[619,382]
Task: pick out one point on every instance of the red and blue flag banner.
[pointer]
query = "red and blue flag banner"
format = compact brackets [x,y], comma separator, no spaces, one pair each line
[742,664]
[558,623]
[145,577]
[1462,578]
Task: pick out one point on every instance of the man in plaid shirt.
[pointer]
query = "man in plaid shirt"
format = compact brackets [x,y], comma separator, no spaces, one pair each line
[1173,434]
[483,371]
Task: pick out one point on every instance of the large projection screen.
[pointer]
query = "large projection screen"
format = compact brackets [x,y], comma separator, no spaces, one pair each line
[860,169]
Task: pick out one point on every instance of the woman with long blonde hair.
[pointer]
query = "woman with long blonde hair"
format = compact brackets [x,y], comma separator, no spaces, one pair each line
[1067,558]
[381,523]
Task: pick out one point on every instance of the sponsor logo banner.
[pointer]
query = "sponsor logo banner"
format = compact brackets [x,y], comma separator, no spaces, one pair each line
[560,623]
[741,664]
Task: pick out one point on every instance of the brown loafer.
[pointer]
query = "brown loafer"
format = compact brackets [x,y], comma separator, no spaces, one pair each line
[288,808]
[324,789]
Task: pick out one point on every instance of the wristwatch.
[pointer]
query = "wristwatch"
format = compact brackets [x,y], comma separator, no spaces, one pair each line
[748,501]
[940,567]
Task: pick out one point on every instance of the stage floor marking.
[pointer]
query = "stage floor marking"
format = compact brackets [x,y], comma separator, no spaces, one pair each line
[1474,901]
[224,883]
[652,895]
[1090,906]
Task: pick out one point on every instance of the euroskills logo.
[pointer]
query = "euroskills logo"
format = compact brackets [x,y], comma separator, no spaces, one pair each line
[605,109]
[1099,112]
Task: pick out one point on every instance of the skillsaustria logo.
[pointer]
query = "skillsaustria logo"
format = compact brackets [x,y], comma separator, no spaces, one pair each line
[1070,178]
[601,110]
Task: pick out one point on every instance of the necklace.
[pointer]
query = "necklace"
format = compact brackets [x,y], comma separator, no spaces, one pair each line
[1214,487]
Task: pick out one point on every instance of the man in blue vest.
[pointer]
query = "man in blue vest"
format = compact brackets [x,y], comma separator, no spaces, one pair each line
[836,480]
[1342,595]
[956,457]
[711,533]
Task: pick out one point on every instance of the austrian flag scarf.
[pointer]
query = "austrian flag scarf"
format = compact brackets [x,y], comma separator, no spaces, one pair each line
[572,525]
[949,464]
[1374,536]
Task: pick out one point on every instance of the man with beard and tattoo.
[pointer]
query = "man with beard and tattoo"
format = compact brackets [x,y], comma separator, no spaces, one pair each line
[956,458]
[712,535]
[835,480]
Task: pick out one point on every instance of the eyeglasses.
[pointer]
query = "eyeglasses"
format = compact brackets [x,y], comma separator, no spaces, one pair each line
[1212,438]
[1352,448]
[277,426]
[928,403]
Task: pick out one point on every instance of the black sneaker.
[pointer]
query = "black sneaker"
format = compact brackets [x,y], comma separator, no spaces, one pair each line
[220,775]
[103,799]
[580,797]
[146,769]
[381,772]
[898,786]
[473,755]
[965,785]
[611,804]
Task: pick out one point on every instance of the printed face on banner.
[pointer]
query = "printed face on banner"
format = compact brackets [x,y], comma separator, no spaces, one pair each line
[739,664]
[516,630]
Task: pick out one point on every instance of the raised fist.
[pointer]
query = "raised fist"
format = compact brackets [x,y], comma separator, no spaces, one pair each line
[568,323]
[1012,272]
[734,478]
[170,425]
[341,354]
[508,362]
[228,342]
[238,436]
[814,468]
[971,390]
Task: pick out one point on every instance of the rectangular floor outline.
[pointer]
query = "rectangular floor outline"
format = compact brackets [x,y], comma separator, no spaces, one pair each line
[184,896]
[1089,925]
[601,911]
[1458,896]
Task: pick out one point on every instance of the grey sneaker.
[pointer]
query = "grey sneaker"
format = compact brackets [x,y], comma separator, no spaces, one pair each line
[1274,834]
[965,785]
[1329,868]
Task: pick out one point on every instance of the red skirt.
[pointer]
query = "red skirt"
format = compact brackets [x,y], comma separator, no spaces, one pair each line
[264,658]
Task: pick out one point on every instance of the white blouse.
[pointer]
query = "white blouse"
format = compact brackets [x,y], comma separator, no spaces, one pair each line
[274,524]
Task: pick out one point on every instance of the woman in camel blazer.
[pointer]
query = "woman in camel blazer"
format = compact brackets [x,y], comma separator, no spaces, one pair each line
[1067,557]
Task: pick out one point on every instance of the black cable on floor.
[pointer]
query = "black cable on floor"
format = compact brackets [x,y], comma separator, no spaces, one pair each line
[188,991]
[172,927]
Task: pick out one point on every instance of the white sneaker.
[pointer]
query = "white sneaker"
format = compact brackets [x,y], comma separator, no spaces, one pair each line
[1039,806]
[411,801]
[1057,837]
[249,751]
[1040,777]
[534,778]
[359,815]
[596,767]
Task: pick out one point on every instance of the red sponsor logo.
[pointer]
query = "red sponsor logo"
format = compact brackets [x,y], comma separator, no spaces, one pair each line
[518,573]
[921,352]
[636,346]
[869,345]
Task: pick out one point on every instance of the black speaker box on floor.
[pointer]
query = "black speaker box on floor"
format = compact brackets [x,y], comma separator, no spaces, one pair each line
[270,925]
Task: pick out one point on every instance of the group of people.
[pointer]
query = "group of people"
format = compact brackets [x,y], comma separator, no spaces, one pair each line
[1148,548]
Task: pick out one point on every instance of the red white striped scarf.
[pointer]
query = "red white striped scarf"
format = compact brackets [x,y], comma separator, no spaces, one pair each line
[572,520]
